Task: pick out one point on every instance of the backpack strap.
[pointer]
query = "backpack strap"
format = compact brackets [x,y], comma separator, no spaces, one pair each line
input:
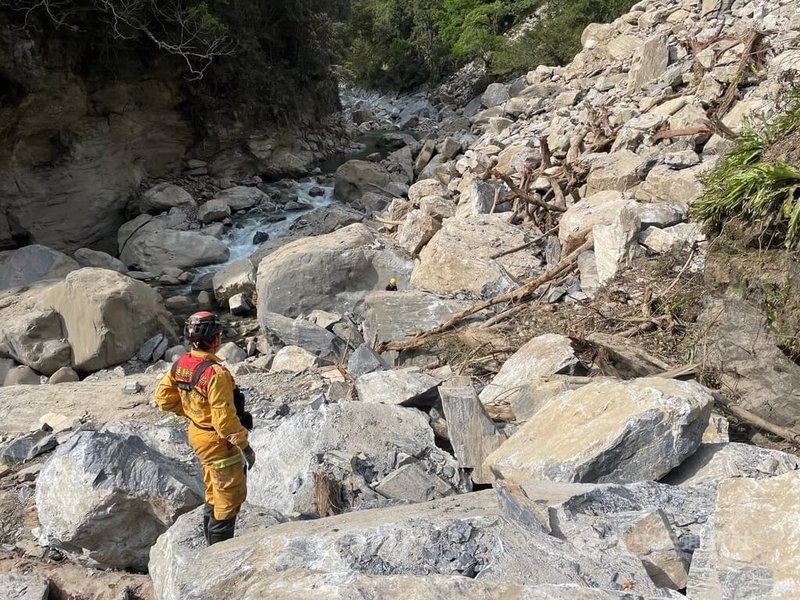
[198,373]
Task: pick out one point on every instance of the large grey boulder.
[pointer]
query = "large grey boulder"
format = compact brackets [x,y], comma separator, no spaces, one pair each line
[354,444]
[745,350]
[179,546]
[33,263]
[243,197]
[283,331]
[459,257]
[495,95]
[520,378]
[24,587]
[616,244]
[164,196]
[593,515]
[239,277]
[357,177]
[610,431]
[31,332]
[213,211]
[87,257]
[107,316]
[365,360]
[406,387]
[329,272]
[106,498]
[409,551]
[392,316]
[649,63]
[749,547]
[155,251]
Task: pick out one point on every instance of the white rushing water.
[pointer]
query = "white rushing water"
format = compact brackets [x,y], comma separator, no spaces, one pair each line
[239,238]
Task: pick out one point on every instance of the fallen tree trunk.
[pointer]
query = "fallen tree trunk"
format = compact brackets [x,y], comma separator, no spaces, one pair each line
[520,294]
[745,415]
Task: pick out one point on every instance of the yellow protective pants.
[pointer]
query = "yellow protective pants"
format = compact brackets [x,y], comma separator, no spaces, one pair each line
[223,471]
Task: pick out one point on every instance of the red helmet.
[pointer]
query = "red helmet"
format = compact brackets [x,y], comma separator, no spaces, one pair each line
[202,328]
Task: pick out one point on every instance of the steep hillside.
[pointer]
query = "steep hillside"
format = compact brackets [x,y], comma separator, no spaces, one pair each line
[87,111]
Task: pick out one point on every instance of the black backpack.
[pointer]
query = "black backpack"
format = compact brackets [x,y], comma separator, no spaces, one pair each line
[245,418]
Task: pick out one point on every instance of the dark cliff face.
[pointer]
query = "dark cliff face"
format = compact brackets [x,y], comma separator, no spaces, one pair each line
[84,118]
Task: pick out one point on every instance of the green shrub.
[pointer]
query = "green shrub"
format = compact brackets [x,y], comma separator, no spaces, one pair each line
[749,185]
[556,38]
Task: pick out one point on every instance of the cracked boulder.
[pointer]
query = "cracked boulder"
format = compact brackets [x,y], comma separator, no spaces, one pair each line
[105,498]
[411,551]
[346,447]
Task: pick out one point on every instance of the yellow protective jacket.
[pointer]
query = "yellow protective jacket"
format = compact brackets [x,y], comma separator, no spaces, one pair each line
[210,405]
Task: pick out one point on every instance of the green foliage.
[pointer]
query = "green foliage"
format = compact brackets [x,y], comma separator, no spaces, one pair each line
[556,38]
[402,43]
[759,191]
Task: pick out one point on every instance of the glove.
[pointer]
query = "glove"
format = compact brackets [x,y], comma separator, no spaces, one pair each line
[249,457]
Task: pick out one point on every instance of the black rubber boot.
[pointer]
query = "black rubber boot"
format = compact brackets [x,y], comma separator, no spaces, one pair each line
[219,531]
[208,514]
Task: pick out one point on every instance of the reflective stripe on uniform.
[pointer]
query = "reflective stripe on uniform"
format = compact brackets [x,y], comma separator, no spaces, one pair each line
[227,462]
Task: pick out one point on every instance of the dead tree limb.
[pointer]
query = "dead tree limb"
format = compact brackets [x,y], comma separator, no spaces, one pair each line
[752,419]
[524,195]
[521,294]
[667,134]
[523,246]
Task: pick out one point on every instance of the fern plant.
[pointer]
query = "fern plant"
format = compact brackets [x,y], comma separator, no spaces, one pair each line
[746,185]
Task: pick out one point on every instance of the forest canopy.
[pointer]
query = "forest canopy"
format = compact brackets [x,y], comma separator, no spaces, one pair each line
[401,44]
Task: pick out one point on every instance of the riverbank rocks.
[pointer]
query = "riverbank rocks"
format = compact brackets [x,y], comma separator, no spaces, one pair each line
[357,177]
[213,211]
[610,431]
[106,316]
[243,197]
[713,463]
[239,277]
[749,547]
[459,257]
[329,272]
[105,498]
[598,209]
[87,257]
[351,446]
[164,196]
[156,251]
[33,263]
[471,432]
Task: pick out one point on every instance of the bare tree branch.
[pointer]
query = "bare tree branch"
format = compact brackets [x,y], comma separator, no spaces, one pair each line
[187,32]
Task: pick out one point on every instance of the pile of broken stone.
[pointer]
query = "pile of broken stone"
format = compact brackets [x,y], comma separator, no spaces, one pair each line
[599,489]
[612,489]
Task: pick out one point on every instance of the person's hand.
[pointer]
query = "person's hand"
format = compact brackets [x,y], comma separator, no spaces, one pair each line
[249,457]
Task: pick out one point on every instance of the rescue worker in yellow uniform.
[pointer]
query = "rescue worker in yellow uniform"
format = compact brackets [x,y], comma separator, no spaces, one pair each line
[201,389]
